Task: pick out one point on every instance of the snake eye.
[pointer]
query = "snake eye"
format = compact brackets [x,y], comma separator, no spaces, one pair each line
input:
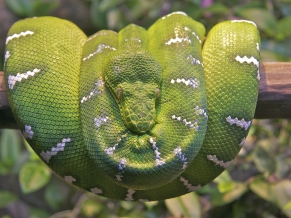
[157,92]
[119,93]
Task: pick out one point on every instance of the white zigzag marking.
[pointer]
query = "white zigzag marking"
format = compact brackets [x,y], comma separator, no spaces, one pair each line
[241,123]
[69,179]
[118,177]
[191,124]
[100,120]
[129,195]
[214,159]
[187,29]
[158,160]
[178,40]
[178,152]
[14,36]
[54,150]
[248,60]
[177,12]
[133,39]
[244,21]
[7,55]
[28,133]
[110,150]
[189,186]
[19,76]
[189,82]
[251,60]
[122,163]
[96,191]
[121,166]
[97,90]
[194,61]
[99,50]
[200,111]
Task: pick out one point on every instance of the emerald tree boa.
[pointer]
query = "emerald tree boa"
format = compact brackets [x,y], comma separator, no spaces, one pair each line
[136,115]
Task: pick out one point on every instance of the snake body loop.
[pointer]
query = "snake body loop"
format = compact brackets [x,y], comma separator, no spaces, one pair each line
[135,115]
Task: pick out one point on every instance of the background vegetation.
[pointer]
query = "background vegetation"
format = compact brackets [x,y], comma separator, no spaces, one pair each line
[257,184]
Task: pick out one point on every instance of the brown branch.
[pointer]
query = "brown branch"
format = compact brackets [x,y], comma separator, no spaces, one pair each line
[274,95]
[275,91]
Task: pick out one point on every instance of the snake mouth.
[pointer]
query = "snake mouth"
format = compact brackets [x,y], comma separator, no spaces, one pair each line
[141,127]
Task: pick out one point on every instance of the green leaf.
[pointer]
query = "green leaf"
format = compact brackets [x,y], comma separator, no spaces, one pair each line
[21,8]
[283,168]
[250,5]
[263,156]
[6,198]
[54,195]
[217,8]
[287,206]
[225,183]
[127,205]
[139,8]
[149,205]
[219,199]
[98,17]
[283,28]
[223,177]
[280,49]
[226,186]
[41,8]
[36,213]
[262,17]
[262,188]
[10,147]
[282,193]
[109,4]
[33,176]
[6,216]
[91,208]
[4,170]
[278,193]
[187,205]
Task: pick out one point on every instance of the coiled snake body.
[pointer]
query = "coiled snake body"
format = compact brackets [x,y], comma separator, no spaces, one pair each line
[135,115]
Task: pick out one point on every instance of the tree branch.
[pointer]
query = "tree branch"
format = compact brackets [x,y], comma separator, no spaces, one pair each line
[274,95]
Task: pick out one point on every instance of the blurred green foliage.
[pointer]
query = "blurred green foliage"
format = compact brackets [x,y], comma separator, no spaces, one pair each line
[30,8]
[273,17]
[257,184]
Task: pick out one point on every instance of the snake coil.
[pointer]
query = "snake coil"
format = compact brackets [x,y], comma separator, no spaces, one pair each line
[135,115]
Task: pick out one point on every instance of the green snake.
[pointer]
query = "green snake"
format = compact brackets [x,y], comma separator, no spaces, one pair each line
[137,115]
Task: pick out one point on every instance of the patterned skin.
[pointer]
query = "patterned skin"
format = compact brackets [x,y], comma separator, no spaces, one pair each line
[135,115]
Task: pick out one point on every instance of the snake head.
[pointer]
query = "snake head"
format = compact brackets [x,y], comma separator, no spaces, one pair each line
[134,81]
[137,105]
